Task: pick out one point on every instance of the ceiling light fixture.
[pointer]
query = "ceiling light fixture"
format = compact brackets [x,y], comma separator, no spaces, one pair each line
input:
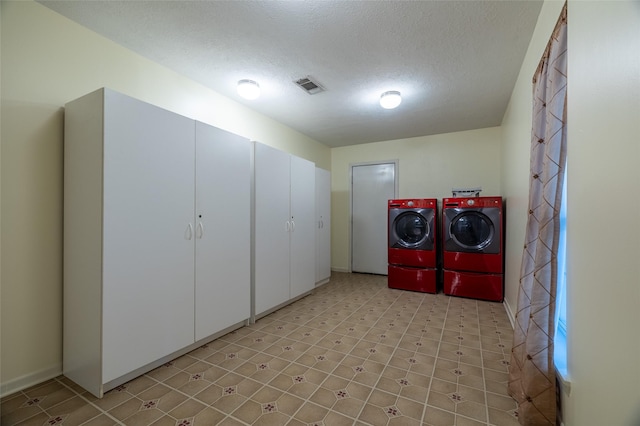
[248,89]
[390,100]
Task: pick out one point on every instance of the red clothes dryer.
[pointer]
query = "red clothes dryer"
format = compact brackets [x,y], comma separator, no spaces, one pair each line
[412,244]
[472,246]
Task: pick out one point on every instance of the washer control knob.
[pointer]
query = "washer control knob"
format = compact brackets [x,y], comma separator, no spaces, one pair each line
[471,202]
[410,203]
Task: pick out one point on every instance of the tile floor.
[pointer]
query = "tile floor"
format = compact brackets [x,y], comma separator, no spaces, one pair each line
[352,353]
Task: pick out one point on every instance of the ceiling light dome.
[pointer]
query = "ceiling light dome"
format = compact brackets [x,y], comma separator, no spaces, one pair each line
[390,100]
[248,89]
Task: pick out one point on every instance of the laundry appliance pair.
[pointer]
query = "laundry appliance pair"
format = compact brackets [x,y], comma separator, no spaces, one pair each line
[470,249]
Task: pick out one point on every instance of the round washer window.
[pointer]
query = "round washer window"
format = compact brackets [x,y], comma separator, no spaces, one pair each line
[472,230]
[411,228]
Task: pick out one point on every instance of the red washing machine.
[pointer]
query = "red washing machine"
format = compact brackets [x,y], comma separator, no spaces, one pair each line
[472,236]
[412,244]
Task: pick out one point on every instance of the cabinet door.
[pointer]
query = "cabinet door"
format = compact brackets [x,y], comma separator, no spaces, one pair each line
[323,224]
[303,232]
[148,247]
[222,230]
[272,225]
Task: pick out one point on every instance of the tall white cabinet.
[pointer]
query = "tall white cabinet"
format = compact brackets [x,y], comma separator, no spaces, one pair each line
[323,225]
[144,236]
[222,229]
[284,228]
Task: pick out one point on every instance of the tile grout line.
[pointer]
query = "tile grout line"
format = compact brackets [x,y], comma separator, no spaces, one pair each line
[484,386]
[288,360]
[322,330]
[484,379]
[190,397]
[359,340]
[386,365]
[101,411]
[435,362]
[21,392]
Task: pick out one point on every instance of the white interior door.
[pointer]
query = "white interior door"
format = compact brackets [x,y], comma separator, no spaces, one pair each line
[372,185]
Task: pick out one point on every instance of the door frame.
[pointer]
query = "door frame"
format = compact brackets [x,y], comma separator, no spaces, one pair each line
[396,186]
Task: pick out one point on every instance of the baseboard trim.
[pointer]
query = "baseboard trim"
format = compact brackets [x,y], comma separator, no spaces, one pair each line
[280,306]
[323,282]
[28,380]
[340,269]
[512,318]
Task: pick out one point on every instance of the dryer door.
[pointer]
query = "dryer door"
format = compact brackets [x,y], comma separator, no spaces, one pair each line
[412,229]
[472,231]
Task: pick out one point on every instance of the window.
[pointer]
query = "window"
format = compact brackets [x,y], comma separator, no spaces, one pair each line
[560,342]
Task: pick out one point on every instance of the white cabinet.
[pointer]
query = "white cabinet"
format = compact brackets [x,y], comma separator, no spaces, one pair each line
[222,230]
[284,228]
[128,257]
[272,226]
[323,225]
[131,238]
[302,232]
[147,206]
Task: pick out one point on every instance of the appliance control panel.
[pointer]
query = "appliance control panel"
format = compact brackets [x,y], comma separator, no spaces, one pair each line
[472,202]
[414,203]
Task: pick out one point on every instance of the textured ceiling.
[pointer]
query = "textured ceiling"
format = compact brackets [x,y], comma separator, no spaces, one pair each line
[455,62]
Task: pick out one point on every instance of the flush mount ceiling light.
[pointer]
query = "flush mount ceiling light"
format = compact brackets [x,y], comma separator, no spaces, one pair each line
[390,100]
[248,89]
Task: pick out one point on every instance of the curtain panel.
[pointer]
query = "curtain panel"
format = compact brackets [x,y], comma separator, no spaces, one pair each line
[531,372]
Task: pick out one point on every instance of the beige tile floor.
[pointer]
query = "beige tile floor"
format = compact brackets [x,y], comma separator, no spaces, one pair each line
[352,353]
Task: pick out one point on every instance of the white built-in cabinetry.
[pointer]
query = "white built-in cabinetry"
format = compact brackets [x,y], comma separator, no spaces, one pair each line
[323,225]
[285,229]
[156,237]
[222,230]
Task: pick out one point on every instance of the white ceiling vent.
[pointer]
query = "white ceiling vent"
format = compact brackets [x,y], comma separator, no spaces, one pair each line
[309,86]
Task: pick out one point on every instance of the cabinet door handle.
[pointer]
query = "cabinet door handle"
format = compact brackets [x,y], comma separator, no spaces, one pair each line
[293,226]
[200,230]
[287,226]
[188,233]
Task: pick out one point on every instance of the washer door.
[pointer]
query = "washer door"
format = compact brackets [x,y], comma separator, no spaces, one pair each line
[412,229]
[472,230]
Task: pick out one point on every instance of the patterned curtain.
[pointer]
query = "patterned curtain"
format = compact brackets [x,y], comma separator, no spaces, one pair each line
[531,372]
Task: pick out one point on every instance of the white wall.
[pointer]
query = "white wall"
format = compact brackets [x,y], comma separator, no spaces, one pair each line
[603,208]
[603,180]
[429,166]
[47,61]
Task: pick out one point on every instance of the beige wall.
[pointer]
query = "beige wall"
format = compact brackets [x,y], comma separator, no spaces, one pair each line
[603,209]
[47,61]
[603,179]
[429,166]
